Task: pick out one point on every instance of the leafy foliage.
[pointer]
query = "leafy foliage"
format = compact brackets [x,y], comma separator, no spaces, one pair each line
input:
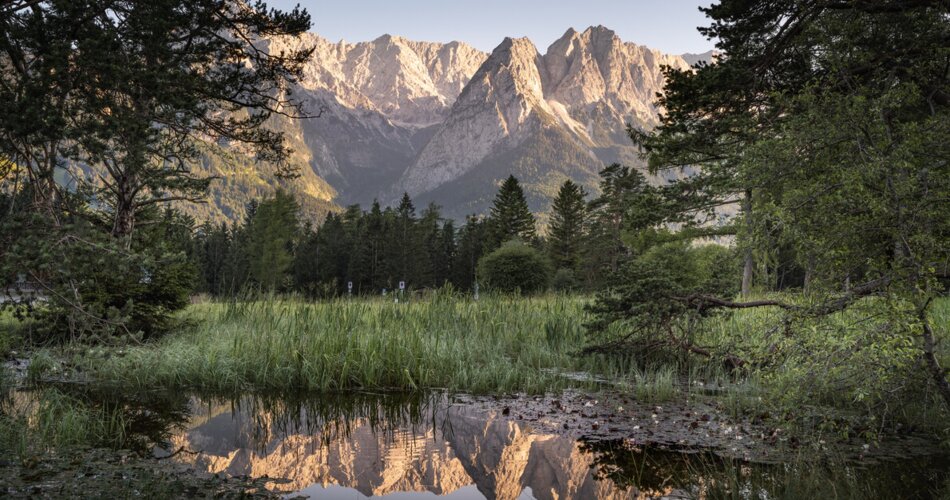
[97,287]
[827,121]
[515,267]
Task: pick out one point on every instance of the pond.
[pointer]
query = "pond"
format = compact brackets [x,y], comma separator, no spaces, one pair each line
[405,447]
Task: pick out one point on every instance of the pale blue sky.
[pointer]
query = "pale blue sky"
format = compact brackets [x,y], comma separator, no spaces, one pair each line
[668,25]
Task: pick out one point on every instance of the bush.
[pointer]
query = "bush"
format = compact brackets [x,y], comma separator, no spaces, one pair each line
[564,280]
[647,296]
[515,267]
[97,287]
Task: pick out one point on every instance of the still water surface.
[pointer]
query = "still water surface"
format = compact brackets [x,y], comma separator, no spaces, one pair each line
[367,446]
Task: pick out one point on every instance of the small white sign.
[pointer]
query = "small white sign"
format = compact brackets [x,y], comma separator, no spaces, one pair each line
[402,285]
[349,285]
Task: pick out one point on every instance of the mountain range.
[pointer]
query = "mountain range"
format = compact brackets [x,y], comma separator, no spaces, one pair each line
[447,123]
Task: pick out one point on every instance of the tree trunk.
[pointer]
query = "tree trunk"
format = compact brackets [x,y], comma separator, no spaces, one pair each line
[124,220]
[939,374]
[749,263]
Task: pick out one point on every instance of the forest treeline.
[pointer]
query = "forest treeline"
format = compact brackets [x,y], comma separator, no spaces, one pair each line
[375,249]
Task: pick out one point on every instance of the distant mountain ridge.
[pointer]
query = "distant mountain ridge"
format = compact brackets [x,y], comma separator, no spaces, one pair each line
[446,122]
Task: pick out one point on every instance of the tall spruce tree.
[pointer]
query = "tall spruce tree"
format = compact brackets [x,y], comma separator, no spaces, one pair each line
[406,242]
[272,234]
[447,250]
[568,226]
[472,245]
[510,217]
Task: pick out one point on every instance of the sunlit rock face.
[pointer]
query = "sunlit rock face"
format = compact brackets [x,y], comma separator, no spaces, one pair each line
[448,449]
[446,122]
[544,118]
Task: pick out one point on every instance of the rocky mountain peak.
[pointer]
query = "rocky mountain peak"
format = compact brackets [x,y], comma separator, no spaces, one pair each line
[445,121]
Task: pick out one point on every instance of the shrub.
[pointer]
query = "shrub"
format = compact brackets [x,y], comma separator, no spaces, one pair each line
[100,288]
[564,280]
[515,267]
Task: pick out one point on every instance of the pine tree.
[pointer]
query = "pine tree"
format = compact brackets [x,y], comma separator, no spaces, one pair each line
[568,220]
[334,254]
[377,238]
[405,242]
[510,217]
[272,234]
[627,205]
[306,266]
[359,264]
[447,250]
[472,245]
[427,240]
[213,246]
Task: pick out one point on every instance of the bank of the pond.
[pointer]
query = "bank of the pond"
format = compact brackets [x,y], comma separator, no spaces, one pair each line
[529,345]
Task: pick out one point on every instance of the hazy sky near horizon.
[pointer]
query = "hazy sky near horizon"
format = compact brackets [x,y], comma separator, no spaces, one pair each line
[667,25]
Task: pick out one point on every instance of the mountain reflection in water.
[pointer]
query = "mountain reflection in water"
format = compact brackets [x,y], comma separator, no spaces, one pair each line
[362,445]
[390,446]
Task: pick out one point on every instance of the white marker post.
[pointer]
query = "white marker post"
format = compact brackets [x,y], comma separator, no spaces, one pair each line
[402,288]
[476,291]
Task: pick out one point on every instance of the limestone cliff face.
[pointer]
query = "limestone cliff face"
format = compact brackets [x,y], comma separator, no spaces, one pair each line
[446,122]
[496,111]
[411,83]
[544,118]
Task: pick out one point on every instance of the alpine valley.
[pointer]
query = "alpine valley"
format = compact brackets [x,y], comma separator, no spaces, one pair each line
[447,123]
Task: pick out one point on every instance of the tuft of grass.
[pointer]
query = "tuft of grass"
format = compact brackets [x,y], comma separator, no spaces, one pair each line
[42,364]
[656,385]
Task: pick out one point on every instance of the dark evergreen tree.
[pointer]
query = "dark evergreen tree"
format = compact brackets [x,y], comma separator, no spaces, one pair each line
[627,205]
[334,254]
[405,243]
[427,236]
[376,239]
[568,226]
[359,264]
[510,217]
[214,247]
[446,254]
[272,234]
[472,245]
[306,265]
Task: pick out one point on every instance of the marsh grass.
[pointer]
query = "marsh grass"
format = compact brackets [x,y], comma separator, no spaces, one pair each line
[31,422]
[498,344]
[12,331]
